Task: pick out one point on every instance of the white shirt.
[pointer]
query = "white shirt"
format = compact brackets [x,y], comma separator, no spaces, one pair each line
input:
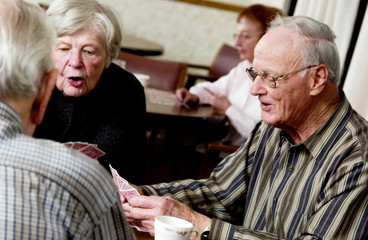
[245,110]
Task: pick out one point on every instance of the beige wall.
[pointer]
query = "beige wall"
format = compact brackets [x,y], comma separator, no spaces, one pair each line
[189,33]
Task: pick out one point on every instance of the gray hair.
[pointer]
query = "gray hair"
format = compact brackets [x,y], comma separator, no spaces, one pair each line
[26,41]
[320,46]
[70,16]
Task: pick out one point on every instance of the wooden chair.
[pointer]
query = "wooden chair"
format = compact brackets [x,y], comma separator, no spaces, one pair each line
[163,74]
[226,58]
[215,152]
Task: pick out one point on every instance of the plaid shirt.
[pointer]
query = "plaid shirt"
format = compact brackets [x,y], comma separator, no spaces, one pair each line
[48,191]
[274,189]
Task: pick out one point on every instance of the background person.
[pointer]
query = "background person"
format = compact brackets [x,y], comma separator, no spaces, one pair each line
[303,172]
[95,100]
[47,191]
[230,93]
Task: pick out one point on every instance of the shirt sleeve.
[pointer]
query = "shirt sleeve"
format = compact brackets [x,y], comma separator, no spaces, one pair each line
[214,196]
[244,111]
[339,212]
[219,86]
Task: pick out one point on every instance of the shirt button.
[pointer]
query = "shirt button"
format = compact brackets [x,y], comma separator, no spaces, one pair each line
[275,200]
[290,168]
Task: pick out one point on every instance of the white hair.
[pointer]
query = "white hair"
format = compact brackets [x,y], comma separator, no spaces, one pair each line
[320,47]
[26,41]
[70,16]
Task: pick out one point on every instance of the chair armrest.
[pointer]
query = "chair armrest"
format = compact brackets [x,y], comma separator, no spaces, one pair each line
[222,147]
[190,65]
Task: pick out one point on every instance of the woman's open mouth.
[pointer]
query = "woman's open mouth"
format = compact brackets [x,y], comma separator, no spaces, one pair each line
[75,81]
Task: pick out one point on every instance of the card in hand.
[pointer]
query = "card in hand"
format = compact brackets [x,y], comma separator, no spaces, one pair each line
[91,150]
[130,193]
[138,225]
[127,192]
[124,188]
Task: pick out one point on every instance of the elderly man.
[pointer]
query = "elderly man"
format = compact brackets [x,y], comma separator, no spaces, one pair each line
[47,190]
[303,172]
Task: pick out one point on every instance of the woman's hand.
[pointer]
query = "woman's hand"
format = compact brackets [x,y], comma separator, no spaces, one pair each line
[183,96]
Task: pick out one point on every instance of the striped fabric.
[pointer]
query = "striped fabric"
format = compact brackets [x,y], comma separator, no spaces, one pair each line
[273,189]
[48,191]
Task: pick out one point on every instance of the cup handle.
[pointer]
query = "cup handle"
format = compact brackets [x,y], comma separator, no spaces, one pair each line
[198,235]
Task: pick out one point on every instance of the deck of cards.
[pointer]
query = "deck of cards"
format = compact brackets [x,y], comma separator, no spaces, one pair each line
[91,150]
[126,191]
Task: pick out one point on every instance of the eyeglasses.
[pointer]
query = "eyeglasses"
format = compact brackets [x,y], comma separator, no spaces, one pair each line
[271,81]
[243,36]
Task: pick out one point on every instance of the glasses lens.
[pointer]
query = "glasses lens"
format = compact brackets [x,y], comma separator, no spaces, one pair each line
[252,74]
[235,35]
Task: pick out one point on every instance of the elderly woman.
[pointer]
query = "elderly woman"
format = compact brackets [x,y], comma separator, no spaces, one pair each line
[95,100]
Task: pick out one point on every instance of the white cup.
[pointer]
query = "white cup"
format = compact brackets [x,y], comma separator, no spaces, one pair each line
[142,78]
[172,228]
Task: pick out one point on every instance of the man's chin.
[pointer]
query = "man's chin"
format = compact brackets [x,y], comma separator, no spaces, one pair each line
[268,119]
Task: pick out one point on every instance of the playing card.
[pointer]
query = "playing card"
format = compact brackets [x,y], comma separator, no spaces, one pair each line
[127,192]
[69,144]
[79,145]
[91,150]
[138,225]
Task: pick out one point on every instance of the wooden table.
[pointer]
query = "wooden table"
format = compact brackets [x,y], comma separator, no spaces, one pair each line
[141,46]
[176,120]
[142,235]
[154,107]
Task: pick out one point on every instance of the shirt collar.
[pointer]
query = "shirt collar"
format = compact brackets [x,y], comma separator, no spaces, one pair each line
[10,122]
[331,129]
[328,131]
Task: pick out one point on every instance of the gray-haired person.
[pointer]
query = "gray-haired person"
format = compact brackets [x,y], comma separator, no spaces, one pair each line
[47,190]
[303,172]
[95,100]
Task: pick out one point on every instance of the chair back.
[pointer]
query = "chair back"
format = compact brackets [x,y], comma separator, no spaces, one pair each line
[163,74]
[226,58]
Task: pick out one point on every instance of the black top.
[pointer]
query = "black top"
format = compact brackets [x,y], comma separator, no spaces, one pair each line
[113,116]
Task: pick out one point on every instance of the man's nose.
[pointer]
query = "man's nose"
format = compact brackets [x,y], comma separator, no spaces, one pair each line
[257,86]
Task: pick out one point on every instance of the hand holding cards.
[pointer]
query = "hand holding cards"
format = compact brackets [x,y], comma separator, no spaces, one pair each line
[126,191]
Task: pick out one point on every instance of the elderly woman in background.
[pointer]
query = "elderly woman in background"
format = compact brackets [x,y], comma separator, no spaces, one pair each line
[231,93]
[95,100]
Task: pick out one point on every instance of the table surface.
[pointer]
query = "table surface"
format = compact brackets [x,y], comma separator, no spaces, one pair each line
[142,235]
[201,111]
[141,46]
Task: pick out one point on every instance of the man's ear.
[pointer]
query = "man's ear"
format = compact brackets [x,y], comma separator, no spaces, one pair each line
[319,79]
[43,96]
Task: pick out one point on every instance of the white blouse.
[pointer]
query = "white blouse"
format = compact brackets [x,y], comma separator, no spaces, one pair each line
[245,110]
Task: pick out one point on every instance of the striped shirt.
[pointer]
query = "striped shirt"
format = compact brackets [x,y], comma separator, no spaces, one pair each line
[48,191]
[274,189]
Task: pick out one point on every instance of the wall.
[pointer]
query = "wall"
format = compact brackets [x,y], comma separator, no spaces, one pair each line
[189,33]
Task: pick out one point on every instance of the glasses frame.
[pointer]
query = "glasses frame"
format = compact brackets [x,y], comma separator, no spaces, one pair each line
[272,80]
[242,37]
